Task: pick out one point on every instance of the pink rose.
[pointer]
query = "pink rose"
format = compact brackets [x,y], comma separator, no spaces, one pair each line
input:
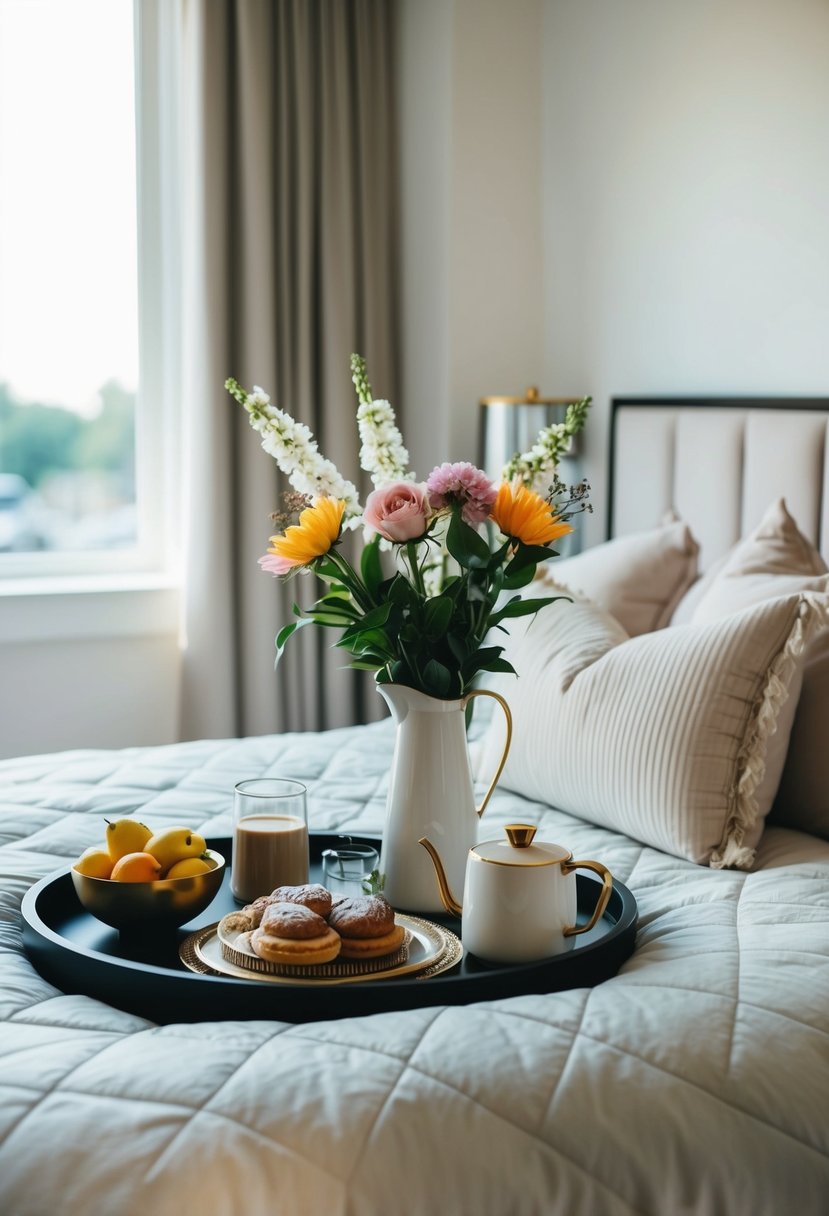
[399,511]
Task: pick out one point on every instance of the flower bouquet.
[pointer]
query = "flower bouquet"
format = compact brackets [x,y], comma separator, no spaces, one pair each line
[422,613]
[437,577]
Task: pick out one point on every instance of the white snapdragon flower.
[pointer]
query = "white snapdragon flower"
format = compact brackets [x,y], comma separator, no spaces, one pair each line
[382,453]
[295,451]
[553,442]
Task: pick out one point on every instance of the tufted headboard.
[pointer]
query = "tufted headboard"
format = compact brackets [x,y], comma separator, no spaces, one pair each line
[718,462]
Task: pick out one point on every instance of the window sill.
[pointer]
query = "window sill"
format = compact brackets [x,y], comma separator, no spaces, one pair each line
[88,606]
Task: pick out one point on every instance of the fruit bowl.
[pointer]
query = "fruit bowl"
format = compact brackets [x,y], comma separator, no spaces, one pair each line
[165,903]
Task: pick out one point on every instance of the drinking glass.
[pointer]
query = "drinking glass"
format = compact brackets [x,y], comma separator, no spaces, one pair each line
[270,836]
[347,867]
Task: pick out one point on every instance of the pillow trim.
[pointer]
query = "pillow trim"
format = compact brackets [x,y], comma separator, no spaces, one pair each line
[812,615]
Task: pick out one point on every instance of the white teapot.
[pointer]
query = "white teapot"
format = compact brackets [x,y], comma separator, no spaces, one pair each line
[519,897]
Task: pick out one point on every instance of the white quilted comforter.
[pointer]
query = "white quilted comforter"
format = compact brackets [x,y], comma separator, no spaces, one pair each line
[695,1081]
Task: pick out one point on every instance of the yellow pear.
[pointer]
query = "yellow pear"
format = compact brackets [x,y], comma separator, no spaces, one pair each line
[189,868]
[174,844]
[94,863]
[126,836]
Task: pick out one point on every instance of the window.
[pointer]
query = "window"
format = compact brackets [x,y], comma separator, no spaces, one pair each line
[75,493]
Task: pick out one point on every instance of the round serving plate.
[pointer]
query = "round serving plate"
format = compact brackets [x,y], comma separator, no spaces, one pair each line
[143,973]
[430,949]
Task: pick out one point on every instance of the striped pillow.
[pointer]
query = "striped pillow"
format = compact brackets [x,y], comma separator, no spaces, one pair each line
[662,737]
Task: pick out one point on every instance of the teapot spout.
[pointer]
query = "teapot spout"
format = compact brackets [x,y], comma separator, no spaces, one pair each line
[448,900]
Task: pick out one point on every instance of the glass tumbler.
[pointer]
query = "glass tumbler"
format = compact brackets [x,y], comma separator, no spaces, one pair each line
[346,868]
[270,837]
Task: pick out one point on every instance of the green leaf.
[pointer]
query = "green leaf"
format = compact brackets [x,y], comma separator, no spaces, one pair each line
[529,555]
[378,616]
[338,601]
[367,640]
[519,607]
[331,620]
[438,678]
[286,632]
[371,568]
[401,593]
[480,659]
[460,646]
[514,580]
[436,616]
[466,546]
[500,665]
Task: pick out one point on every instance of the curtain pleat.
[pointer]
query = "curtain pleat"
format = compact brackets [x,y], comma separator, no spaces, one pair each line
[289,267]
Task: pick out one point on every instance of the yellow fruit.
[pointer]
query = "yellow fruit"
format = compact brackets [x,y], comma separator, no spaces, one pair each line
[136,867]
[174,844]
[126,836]
[189,867]
[94,863]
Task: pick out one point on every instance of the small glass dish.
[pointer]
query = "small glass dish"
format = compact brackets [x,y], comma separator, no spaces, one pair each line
[348,869]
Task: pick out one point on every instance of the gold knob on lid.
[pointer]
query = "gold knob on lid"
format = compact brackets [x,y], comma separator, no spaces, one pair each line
[520,835]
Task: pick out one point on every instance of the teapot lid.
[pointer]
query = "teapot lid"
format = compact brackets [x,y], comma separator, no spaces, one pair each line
[518,848]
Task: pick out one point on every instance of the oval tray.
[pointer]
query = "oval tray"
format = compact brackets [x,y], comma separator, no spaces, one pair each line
[145,976]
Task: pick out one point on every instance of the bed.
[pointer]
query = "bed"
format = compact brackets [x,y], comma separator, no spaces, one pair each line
[694,1081]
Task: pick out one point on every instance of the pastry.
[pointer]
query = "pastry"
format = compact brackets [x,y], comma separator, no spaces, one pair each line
[366,925]
[291,933]
[311,895]
[255,911]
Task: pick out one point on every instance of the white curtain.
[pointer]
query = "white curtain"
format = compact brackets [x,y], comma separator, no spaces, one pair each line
[285,210]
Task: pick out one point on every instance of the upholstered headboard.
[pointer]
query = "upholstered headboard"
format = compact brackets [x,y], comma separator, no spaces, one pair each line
[718,462]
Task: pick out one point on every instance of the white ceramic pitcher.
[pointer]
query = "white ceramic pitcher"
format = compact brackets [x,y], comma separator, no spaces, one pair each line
[430,794]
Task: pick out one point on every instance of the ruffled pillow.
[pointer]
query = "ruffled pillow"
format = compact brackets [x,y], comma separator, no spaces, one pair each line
[663,737]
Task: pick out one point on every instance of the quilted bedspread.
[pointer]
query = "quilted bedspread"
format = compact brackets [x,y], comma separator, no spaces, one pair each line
[697,1080]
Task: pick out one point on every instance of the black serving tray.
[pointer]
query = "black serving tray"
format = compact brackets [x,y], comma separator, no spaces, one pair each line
[144,975]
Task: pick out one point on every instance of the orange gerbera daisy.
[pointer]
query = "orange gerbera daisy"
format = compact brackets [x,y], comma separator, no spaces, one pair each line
[524,515]
[317,530]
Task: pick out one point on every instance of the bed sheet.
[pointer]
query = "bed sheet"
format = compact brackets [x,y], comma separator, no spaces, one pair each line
[696,1080]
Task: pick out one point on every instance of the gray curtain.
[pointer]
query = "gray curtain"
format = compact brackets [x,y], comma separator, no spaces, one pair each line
[289,207]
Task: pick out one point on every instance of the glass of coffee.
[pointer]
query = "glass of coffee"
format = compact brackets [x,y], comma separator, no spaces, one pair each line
[270,837]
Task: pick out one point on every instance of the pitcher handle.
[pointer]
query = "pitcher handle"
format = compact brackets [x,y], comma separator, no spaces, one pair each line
[567,867]
[486,692]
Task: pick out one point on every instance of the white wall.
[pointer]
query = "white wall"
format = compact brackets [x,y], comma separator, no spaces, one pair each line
[88,668]
[470,80]
[686,201]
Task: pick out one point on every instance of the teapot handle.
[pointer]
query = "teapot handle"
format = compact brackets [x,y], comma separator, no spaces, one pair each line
[486,692]
[567,867]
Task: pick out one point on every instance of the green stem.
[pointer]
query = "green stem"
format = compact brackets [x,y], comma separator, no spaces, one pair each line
[351,580]
[417,573]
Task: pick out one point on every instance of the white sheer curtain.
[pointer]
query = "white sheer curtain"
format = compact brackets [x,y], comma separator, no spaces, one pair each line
[285,209]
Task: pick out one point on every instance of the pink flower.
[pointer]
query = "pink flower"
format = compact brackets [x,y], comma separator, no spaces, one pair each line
[272,564]
[464,484]
[399,512]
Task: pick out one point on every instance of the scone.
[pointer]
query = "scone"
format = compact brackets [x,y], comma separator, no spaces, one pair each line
[311,895]
[292,934]
[366,925]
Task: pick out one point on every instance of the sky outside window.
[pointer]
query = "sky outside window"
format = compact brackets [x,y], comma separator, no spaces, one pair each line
[68,273]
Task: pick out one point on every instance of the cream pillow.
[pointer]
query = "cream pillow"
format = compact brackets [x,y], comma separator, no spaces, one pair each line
[639,579]
[777,559]
[662,737]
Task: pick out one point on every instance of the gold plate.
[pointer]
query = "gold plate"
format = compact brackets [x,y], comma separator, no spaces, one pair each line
[430,950]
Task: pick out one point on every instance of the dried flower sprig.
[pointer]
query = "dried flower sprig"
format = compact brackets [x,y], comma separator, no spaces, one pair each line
[552,443]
